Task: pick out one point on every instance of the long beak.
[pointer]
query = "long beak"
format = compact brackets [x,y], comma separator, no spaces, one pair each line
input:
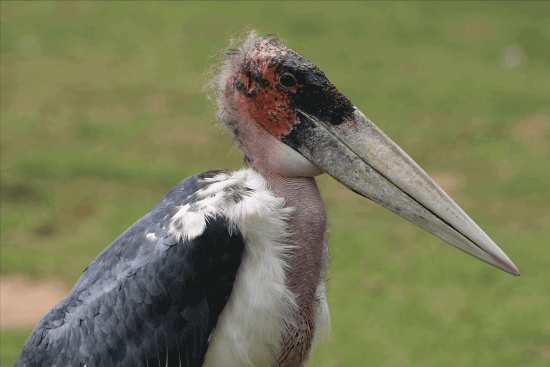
[360,156]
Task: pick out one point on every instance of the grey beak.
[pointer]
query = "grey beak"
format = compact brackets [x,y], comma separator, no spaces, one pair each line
[360,156]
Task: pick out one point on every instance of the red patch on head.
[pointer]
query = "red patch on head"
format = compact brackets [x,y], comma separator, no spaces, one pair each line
[265,102]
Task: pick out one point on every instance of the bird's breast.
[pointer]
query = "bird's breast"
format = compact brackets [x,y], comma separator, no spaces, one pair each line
[265,300]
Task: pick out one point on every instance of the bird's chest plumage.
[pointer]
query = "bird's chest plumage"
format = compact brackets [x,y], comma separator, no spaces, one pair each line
[264,307]
[260,312]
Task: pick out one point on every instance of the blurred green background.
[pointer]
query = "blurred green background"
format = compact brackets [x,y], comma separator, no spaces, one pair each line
[102,113]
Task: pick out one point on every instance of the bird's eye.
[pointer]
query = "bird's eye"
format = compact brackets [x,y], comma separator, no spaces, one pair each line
[287,80]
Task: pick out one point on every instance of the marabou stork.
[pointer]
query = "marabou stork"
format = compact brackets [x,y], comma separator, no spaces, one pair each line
[228,268]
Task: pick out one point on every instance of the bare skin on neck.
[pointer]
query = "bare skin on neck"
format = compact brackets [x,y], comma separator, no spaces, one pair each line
[307,228]
[291,177]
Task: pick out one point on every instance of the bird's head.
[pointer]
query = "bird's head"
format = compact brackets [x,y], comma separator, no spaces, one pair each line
[288,118]
[261,90]
[274,83]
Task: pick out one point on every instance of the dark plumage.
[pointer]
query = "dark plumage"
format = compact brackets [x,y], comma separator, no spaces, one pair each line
[144,302]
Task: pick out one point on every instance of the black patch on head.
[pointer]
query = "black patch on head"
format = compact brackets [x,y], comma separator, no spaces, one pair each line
[300,134]
[315,94]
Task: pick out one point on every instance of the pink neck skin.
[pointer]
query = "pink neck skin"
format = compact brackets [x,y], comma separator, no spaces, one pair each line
[291,177]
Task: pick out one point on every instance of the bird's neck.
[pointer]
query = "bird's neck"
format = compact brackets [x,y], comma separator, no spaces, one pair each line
[307,227]
[291,176]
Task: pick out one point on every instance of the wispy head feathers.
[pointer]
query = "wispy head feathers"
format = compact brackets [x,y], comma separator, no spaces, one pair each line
[217,74]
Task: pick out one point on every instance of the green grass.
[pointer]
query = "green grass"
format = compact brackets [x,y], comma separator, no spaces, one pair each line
[12,342]
[102,114]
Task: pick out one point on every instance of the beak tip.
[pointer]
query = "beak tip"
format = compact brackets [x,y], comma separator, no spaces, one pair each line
[511,268]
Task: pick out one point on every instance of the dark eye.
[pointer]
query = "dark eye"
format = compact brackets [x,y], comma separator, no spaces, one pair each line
[287,80]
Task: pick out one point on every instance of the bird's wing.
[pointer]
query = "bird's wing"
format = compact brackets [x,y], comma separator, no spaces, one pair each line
[152,297]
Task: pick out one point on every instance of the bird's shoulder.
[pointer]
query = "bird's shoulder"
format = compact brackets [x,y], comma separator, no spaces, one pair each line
[170,221]
[178,263]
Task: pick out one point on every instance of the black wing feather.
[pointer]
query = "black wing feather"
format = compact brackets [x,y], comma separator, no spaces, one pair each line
[141,303]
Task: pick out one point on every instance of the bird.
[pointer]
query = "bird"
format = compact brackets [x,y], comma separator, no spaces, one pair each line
[229,267]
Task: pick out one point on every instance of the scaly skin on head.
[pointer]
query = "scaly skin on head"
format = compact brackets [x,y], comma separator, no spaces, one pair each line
[258,95]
